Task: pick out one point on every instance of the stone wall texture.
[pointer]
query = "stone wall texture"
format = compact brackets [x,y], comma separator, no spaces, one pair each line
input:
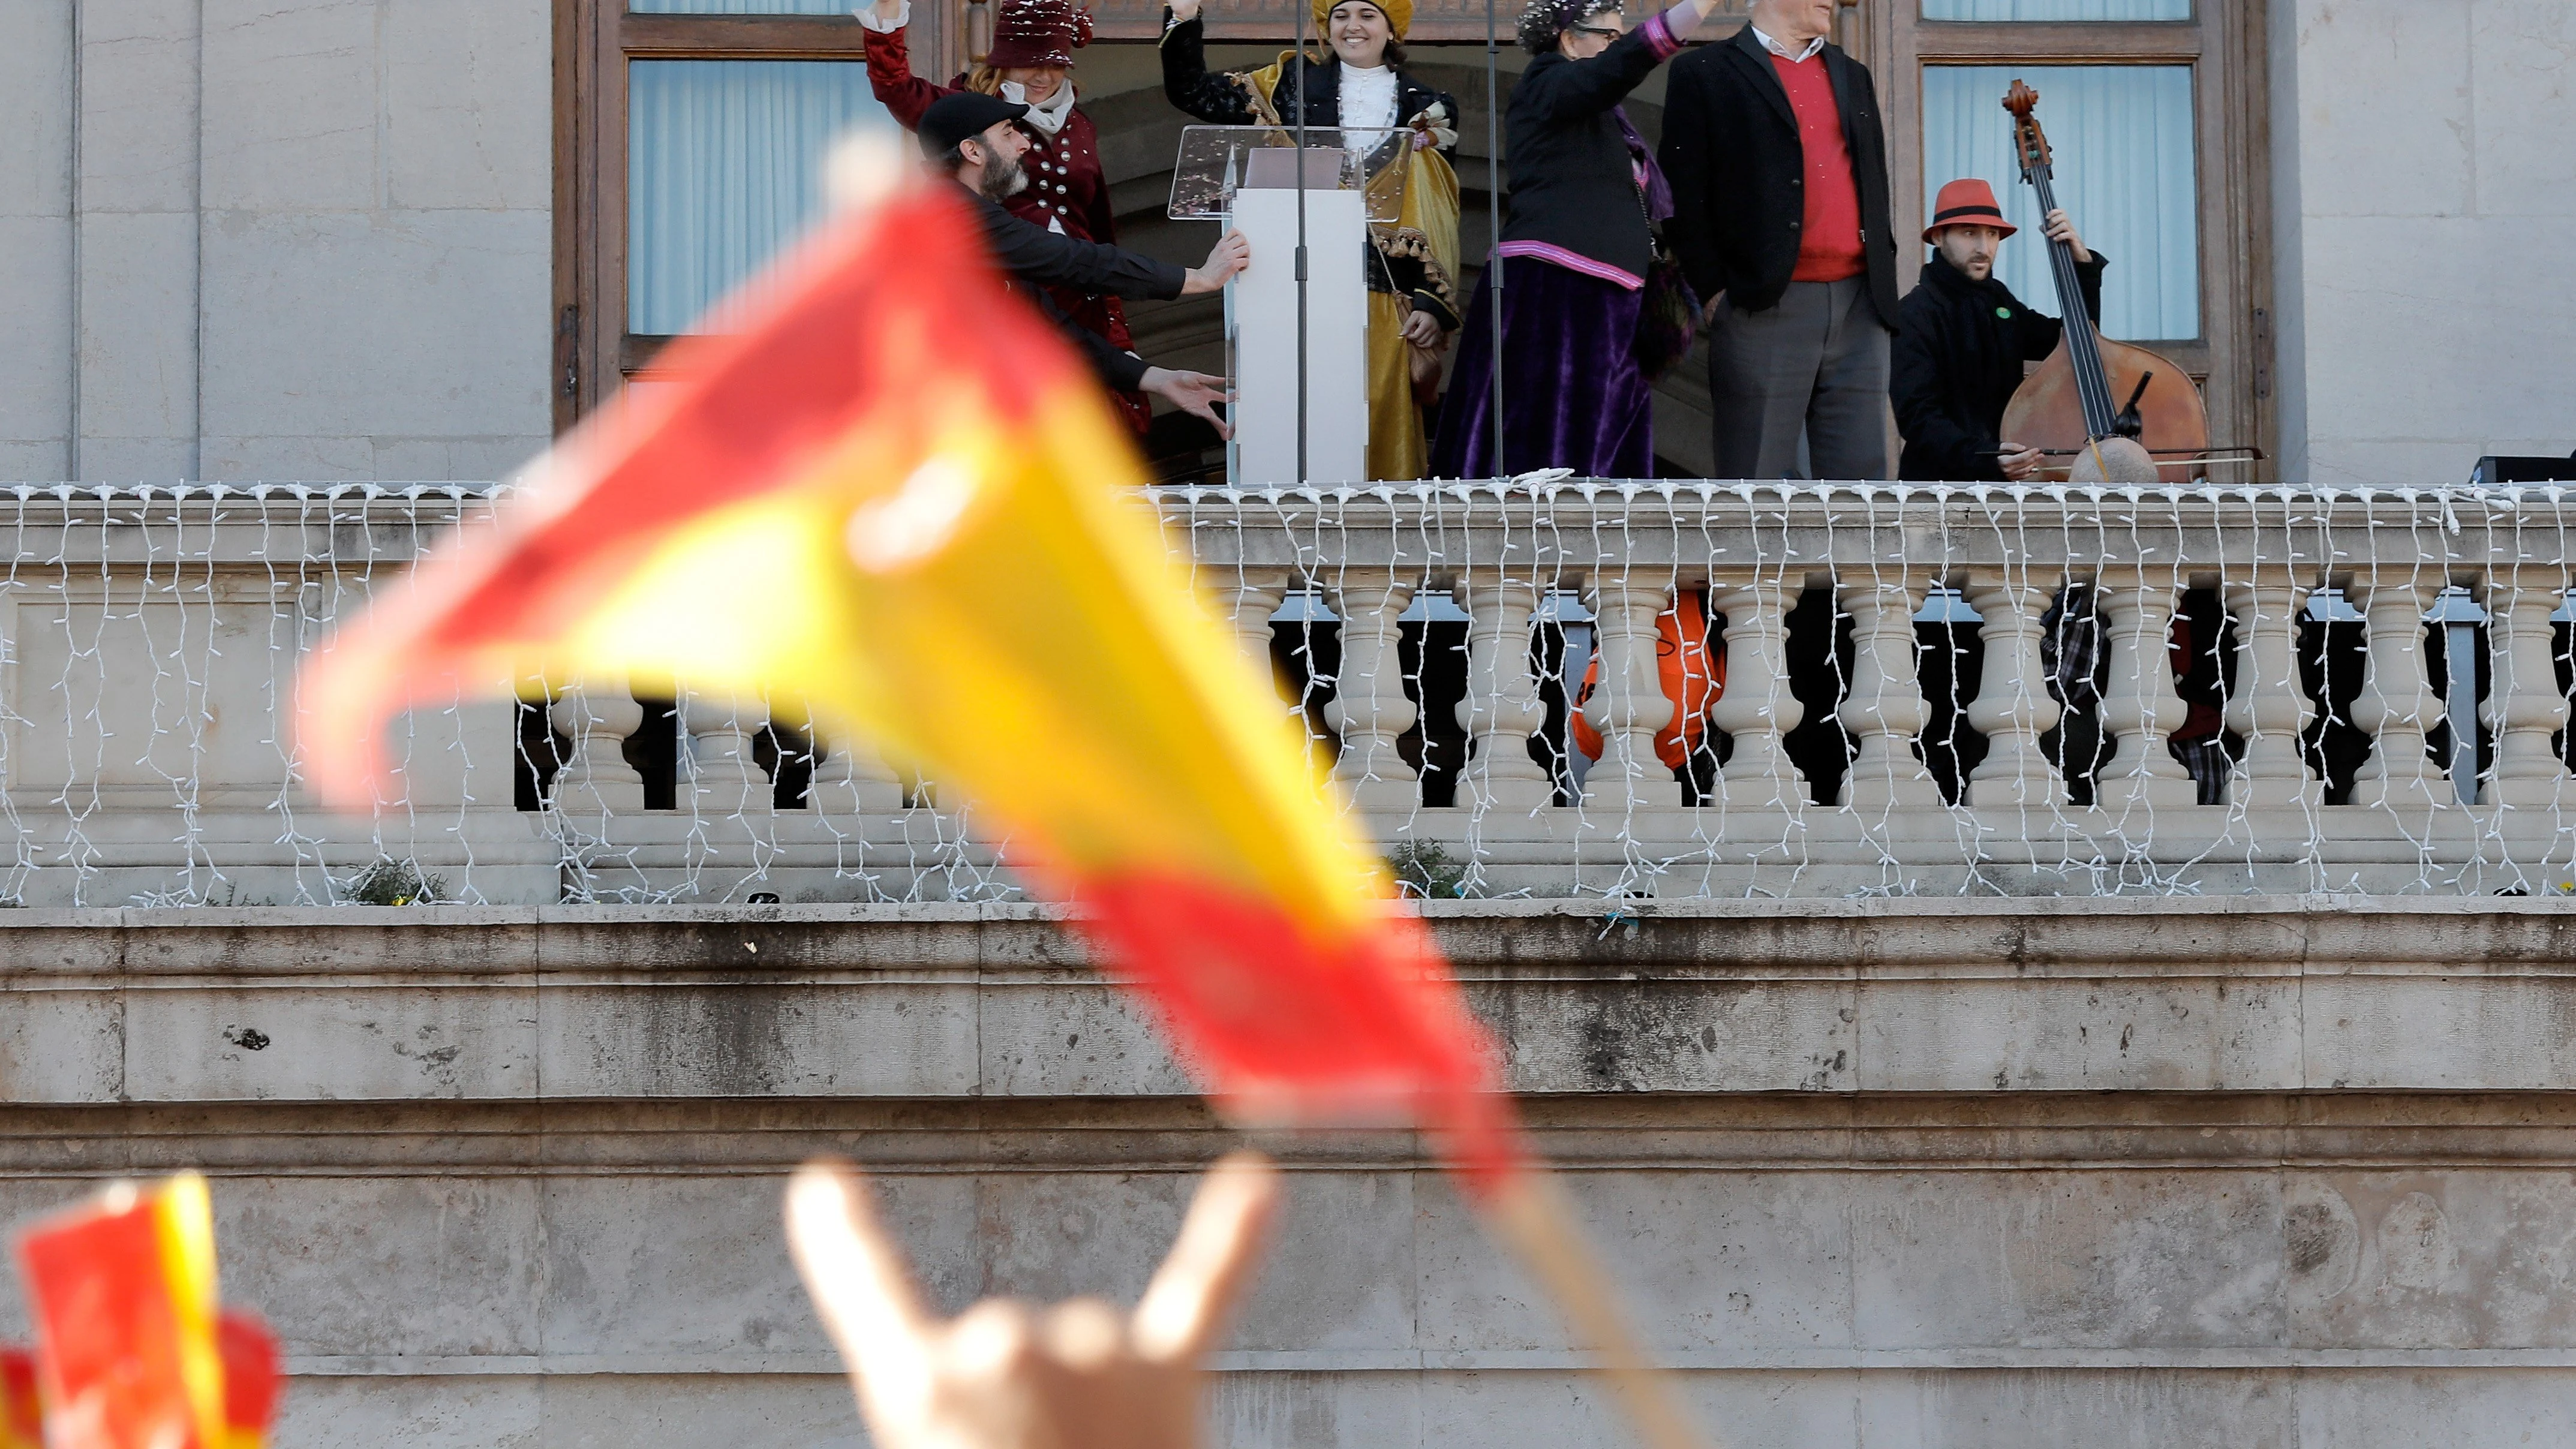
[2290,1173]
[272,239]
[2421,165]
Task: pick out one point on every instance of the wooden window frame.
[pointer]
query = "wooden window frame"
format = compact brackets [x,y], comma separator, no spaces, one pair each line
[595,40]
[2224,45]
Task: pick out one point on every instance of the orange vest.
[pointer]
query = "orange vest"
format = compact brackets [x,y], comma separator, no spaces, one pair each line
[1693,680]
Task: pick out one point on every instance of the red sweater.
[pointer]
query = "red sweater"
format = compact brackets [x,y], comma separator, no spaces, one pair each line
[1829,248]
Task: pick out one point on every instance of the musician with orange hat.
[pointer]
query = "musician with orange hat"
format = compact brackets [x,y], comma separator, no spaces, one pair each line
[1962,338]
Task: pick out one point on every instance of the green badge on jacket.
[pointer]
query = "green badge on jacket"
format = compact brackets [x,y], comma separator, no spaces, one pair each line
[2004,312]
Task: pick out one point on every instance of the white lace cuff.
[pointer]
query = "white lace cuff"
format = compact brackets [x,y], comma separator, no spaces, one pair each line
[868,17]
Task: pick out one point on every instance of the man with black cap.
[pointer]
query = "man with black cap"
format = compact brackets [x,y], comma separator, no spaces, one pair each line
[973,139]
[1961,340]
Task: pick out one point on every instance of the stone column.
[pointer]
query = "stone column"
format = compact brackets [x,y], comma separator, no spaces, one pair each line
[851,778]
[2525,706]
[2268,707]
[717,770]
[1256,598]
[597,783]
[2397,704]
[1629,706]
[1502,708]
[2013,707]
[1369,707]
[1886,712]
[2141,706]
[1757,708]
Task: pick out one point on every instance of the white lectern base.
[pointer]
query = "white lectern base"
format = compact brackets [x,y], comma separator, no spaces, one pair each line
[1261,317]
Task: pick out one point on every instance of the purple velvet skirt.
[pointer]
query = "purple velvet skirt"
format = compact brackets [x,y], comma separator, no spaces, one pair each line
[1572,395]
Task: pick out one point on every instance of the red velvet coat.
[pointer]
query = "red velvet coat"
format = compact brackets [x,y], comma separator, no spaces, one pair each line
[1066,185]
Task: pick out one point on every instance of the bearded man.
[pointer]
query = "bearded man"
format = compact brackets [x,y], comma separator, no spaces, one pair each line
[977,142]
[1962,338]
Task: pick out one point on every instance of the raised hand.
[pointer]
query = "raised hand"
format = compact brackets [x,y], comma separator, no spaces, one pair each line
[1184,10]
[1004,1374]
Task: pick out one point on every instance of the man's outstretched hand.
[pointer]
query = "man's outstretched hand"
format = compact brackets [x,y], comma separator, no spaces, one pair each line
[1005,1374]
[1191,392]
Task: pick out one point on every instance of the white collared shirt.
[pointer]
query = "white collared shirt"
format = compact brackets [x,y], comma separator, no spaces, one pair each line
[1368,97]
[1782,51]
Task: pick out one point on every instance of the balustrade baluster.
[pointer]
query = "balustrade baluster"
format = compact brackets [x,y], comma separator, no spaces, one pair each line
[851,778]
[719,772]
[1256,598]
[2013,707]
[1369,708]
[1629,705]
[2141,707]
[2269,707]
[1502,708]
[2397,703]
[1886,711]
[1757,709]
[2525,706]
[597,783]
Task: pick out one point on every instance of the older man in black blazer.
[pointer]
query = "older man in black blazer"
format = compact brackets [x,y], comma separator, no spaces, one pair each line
[1779,175]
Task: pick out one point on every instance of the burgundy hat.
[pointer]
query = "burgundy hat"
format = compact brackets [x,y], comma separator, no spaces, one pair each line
[1037,32]
[1967,202]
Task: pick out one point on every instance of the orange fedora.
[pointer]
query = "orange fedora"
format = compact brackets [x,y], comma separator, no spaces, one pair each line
[1966,202]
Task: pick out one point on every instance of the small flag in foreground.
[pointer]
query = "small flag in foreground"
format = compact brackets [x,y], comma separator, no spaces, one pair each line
[122,1293]
[892,496]
[22,1410]
[251,1379]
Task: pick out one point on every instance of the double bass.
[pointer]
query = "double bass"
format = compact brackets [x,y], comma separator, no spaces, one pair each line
[2118,413]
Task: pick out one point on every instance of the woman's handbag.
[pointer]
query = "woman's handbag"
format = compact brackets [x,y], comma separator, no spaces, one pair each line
[1667,315]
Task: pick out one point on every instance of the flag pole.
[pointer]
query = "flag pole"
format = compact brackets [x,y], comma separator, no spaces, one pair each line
[1300,99]
[1494,218]
[1532,1214]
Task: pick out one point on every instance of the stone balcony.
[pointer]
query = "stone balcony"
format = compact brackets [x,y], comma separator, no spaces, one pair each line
[1885,724]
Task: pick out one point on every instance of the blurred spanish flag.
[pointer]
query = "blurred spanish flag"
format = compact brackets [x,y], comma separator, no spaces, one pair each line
[132,1351]
[892,496]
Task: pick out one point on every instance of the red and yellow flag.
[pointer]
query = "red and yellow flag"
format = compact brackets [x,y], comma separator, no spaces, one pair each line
[122,1293]
[22,1409]
[251,1379]
[894,496]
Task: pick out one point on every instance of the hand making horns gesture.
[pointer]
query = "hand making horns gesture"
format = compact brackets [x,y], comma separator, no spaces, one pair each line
[1005,1375]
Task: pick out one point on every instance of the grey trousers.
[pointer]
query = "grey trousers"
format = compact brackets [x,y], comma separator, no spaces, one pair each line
[1813,368]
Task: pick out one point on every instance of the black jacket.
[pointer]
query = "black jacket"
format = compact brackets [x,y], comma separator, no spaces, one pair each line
[1037,258]
[1313,90]
[1572,182]
[1957,361]
[1739,174]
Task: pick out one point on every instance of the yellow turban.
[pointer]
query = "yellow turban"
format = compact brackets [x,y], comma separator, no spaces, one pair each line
[1398,13]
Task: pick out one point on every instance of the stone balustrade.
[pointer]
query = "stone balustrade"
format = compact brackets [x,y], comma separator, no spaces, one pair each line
[1903,709]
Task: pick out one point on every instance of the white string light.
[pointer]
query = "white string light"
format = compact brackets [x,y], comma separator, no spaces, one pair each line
[146,738]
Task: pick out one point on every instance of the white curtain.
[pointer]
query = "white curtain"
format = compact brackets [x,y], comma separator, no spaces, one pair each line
[2122,135]
[724,167]
[740,7]
[2049,9]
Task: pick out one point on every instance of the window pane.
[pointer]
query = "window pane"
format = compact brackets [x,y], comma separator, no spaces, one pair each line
[2055,9]
[2122,136]
[724,167]
[739,7]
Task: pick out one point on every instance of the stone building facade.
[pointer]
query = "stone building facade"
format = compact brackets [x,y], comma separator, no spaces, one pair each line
[1912,1111]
